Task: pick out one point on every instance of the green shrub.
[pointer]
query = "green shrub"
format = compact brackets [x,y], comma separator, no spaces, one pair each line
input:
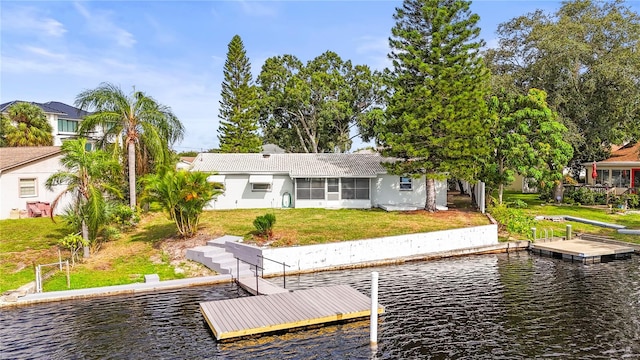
[111,233]
[123,216]
[514,221]
[633,201]
[73,242]
[264,225]
[517,204]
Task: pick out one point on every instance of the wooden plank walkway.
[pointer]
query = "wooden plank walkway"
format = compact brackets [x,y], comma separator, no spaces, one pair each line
[582,250]
[262,314]
[260,286]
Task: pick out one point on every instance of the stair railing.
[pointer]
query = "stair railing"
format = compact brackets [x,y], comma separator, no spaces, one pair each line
[250,264]
[284,269]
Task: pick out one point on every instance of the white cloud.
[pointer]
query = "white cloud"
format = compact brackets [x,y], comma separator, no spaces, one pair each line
[42,52]
[99,22]
[31,20]
[375,49]
[257,8]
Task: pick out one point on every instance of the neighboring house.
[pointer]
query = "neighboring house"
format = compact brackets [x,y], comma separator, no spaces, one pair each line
[621,170]
[184,163]
[64,120]
[522,184]
[23,174]
[312,181]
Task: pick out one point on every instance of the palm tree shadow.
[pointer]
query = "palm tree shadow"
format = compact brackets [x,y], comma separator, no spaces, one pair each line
[155,233]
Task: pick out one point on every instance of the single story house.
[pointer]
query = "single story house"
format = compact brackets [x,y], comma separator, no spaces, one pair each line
[621,170]
[23,174]
[330,180]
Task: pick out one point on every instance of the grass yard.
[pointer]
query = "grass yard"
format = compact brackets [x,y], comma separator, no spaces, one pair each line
[600,213]
[153,247]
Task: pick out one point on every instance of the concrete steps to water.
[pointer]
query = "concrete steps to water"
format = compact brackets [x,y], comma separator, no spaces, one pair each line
[215,257]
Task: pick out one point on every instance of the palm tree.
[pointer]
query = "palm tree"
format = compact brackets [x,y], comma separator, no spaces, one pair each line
[182,194]
[89,176]
[137,122]
[26,125]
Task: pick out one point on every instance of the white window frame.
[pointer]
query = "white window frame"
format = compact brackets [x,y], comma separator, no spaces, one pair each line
[21,186]
[261,187]
[402,183]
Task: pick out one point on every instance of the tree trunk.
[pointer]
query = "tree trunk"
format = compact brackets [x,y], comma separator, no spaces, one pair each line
[85,235]
[461,187]
[558,192]
[474,200]
[430,204]
[501,186]
[131,148]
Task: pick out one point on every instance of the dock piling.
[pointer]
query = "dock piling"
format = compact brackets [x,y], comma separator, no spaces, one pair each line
[374,311]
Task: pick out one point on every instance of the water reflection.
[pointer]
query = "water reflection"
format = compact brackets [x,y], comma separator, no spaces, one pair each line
[494,306]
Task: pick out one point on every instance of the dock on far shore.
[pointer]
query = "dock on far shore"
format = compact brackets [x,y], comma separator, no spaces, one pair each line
[583,250]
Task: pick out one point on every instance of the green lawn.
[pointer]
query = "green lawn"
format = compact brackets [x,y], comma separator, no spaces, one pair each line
[26,242]
[600,213]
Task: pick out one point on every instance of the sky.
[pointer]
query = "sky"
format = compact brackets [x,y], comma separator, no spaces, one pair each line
[174,51]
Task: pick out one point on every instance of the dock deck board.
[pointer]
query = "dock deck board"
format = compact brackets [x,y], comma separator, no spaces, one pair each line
[582,250]
[262,314]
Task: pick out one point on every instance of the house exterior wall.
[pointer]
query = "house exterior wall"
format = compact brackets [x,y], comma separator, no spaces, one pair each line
[606,174]
[238,194]
[10,198]
[386,191]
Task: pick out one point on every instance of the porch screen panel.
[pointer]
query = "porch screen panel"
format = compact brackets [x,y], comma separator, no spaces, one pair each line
[603,177]
[310,189]
[621,178]
[355,189]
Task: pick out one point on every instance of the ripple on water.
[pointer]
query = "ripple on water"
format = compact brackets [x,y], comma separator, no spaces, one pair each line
[481,307]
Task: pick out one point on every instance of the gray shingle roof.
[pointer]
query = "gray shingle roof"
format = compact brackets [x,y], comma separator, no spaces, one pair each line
[52,107]
[11,157]
[295,165]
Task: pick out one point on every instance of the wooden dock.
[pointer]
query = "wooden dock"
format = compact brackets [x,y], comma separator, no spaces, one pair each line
[585,251]
[262,314]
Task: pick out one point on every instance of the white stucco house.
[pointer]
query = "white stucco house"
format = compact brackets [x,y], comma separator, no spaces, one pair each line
[357,181]
[23,174]
[63,118]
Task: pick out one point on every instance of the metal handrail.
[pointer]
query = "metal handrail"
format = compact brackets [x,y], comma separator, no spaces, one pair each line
[284,271]
[246,262]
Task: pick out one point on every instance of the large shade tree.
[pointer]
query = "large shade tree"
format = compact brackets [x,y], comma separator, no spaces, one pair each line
[585,56]
[527,138]
[238,131]
[90,178]
[25,124]
[136,122]
[436,119]
[319,106]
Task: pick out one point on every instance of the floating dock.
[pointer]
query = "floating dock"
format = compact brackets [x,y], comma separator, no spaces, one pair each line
[247,316]
[585,251]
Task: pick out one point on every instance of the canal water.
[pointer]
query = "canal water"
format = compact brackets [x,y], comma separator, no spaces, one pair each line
[507,306]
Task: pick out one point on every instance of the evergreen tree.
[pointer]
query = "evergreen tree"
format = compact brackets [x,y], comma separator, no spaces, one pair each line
[238,131]
[436,119]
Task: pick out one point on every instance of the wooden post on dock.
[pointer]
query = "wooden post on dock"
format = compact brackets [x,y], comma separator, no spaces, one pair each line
[533,233]
[374,311]
[568,232]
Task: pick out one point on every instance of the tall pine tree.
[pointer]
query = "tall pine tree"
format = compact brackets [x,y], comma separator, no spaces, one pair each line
[238,131]
[436,118]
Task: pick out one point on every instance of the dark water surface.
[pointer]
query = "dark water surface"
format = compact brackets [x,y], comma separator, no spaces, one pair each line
[482,307]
